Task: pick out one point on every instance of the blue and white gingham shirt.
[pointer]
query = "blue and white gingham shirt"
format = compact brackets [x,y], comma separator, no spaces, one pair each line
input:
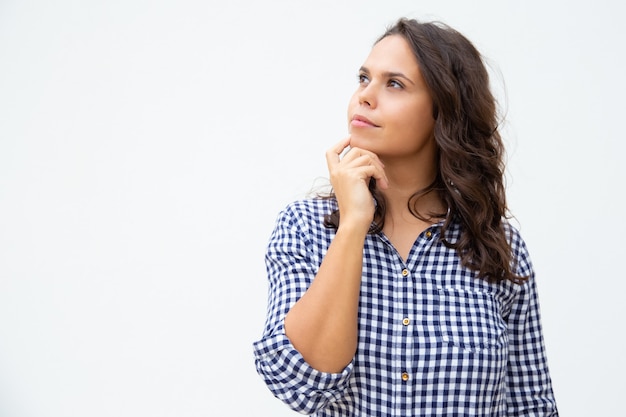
[434,340]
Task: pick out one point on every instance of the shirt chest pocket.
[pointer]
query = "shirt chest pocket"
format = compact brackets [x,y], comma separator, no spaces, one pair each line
[471,320]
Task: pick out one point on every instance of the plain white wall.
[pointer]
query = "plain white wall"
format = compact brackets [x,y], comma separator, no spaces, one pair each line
[147,146]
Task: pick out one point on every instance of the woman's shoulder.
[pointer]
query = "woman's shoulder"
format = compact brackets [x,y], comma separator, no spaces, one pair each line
[310,209]
[513,234]
[311,205]
[519,248]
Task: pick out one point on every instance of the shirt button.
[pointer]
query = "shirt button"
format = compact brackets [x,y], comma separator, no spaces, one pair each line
[405,272]
[429,234]
[406,321]
[405,376]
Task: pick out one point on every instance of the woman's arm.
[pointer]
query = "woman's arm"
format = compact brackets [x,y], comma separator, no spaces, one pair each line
[322,325]
[529,383]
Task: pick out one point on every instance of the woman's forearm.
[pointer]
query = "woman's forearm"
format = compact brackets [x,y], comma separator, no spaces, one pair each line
[322,325]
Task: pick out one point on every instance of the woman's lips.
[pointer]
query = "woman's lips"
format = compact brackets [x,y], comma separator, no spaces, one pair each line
[361,121]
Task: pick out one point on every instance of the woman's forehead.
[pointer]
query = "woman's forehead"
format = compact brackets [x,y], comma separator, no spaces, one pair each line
[392,54]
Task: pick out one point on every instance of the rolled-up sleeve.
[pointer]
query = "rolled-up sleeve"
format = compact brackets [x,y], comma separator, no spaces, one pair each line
[292,262]
[292,380]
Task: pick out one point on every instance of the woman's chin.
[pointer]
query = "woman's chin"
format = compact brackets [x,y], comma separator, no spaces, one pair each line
[361,141]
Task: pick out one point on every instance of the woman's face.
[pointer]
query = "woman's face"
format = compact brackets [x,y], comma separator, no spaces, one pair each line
[391,112]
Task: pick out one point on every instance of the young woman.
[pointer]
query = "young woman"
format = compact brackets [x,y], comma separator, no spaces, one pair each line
[406,292]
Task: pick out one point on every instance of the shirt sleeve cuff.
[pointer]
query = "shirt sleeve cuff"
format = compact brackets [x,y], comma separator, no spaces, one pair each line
[291,379]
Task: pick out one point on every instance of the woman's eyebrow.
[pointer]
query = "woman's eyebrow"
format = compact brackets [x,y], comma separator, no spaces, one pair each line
[388,74]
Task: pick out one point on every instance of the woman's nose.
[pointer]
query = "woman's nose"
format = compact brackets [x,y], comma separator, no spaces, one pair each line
[367,96]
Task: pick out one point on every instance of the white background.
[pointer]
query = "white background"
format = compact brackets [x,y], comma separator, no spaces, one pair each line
[147,146]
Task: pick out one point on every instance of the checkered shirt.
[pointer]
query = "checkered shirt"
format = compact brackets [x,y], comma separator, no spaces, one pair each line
[434,340]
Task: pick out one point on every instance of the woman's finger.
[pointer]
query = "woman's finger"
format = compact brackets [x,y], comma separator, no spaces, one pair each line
[333,155]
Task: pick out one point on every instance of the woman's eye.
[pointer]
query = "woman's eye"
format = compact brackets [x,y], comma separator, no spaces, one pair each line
[395,84]
[362,79]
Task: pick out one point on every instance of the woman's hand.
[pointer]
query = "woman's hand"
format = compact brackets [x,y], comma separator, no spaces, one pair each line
[350,177]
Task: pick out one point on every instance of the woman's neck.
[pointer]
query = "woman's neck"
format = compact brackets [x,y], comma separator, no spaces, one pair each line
[403,184]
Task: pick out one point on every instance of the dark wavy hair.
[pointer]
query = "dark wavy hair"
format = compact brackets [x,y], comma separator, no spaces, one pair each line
[470,174]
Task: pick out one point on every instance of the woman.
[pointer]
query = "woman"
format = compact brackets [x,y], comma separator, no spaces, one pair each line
[406,292]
